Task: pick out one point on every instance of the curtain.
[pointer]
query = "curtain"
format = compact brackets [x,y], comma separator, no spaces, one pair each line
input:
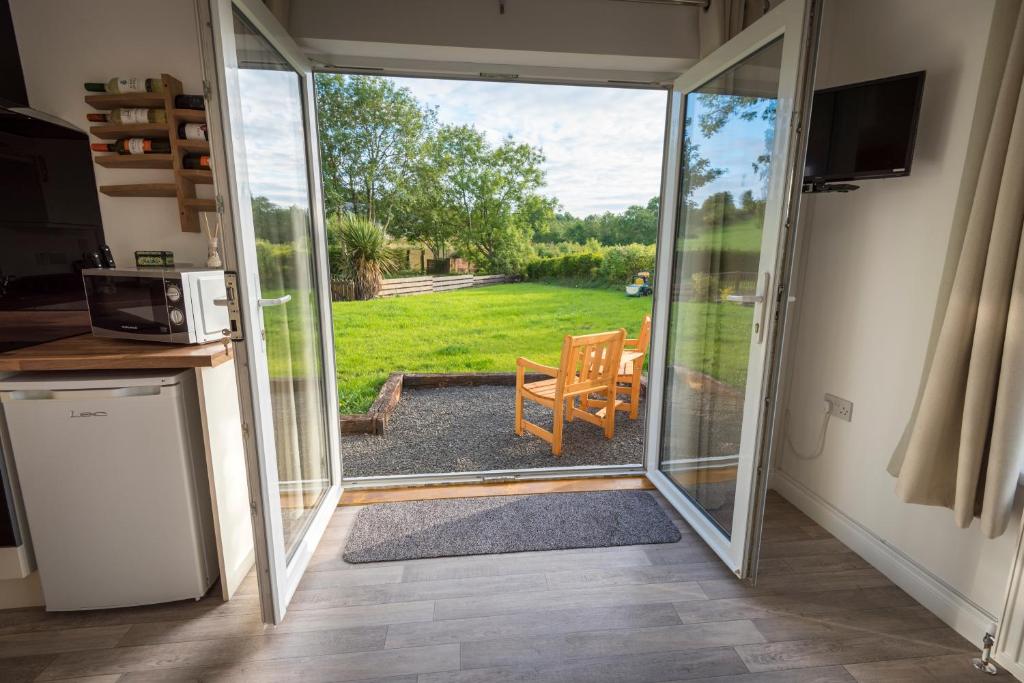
[966,442]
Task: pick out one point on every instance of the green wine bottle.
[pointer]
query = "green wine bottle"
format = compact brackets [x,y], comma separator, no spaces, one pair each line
[127,85]
[134,146]
[130,115]
[196,161]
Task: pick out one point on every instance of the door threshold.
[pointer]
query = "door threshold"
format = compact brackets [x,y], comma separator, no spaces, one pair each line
[370,496]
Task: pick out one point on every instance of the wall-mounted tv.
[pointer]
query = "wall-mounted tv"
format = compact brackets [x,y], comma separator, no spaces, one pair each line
[864,130]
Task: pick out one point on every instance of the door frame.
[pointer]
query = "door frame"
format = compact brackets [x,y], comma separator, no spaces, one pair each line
[278,573]
[739,550]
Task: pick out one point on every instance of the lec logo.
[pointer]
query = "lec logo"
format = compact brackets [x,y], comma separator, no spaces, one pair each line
[98,413]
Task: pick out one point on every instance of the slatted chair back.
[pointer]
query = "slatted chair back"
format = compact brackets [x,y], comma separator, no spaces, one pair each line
[589,362]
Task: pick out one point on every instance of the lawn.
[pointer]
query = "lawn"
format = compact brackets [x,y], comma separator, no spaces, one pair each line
[485,329]
[740,236]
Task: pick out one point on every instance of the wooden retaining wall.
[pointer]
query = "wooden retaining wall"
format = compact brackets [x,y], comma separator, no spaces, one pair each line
[428,284]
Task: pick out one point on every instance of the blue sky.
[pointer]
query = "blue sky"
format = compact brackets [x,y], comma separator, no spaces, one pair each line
[603,145]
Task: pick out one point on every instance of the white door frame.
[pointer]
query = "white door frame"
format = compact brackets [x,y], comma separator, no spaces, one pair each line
[790,20]
[278,573]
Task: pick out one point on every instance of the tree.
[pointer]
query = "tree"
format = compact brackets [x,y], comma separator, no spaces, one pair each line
[371,132]
[490,193]
[718,210]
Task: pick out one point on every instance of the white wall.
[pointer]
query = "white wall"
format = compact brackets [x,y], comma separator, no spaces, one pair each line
[576,26]
[875,265]
[64,44]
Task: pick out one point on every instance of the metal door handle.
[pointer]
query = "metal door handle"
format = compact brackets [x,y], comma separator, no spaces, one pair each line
[744,299]
[279,301]
[762,301]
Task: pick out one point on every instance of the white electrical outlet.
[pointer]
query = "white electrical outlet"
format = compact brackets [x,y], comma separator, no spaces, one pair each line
[839,407]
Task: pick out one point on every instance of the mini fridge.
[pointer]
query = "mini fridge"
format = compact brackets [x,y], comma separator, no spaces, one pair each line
[112,473]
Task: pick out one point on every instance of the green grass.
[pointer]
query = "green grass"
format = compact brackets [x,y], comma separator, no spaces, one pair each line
[485,329]
[742,236]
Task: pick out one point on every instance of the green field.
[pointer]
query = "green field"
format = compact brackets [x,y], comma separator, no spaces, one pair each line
[741,236]
[485,329]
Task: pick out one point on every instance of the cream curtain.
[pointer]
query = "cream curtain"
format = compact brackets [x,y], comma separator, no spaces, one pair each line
[966,443]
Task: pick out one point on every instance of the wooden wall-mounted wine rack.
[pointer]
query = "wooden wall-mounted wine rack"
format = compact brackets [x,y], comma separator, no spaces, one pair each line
[185,179]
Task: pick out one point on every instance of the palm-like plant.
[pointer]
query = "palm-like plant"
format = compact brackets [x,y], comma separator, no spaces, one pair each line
[365,253]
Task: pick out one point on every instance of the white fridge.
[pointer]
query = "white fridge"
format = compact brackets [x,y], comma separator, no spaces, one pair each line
[112,473]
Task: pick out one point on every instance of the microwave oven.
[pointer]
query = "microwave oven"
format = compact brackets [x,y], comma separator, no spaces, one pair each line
[176,305]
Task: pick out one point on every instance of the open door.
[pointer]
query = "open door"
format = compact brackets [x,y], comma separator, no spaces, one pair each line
[277,246]
[728,189]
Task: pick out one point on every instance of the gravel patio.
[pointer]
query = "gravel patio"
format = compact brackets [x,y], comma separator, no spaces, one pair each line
[467,429]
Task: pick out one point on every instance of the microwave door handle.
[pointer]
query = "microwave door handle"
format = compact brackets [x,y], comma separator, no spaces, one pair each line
[279,301]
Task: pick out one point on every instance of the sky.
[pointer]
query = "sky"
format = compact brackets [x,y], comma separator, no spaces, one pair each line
[603,146]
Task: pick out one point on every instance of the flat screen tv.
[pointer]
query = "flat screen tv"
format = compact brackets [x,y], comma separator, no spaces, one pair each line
[864,130]
[50,219]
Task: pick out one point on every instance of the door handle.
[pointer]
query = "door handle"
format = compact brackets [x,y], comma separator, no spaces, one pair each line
[745,299]
[762,302]
[279,301]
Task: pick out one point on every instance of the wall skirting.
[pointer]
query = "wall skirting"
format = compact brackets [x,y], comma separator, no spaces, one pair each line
[964,616]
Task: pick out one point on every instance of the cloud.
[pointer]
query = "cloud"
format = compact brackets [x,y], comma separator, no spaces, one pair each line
[603,146]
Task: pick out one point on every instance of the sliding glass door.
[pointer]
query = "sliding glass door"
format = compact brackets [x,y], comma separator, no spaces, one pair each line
[280,256]
[727,184]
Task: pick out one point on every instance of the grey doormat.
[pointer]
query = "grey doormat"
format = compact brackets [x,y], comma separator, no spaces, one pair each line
[507,524]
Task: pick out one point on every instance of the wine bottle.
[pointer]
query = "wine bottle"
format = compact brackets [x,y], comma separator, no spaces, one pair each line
[130,115]
[193,131]
[127,85]
[134,146]
[189,102]
[196,161]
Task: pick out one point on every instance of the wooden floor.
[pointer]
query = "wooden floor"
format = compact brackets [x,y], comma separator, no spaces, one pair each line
[636,614]
[504,488]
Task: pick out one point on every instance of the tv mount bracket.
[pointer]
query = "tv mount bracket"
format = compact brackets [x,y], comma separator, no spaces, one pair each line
[814,188]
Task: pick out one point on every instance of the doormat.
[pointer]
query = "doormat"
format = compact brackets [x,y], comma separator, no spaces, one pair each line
[507,524]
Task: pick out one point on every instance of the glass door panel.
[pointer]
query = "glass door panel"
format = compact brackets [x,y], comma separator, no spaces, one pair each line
[726,188]
[270,169]
[274,138]
[728,139]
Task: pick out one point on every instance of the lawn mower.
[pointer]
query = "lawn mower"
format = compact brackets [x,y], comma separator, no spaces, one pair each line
[640,285]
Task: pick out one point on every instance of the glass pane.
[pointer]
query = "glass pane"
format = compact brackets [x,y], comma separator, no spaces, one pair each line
[274,137]
[728,138]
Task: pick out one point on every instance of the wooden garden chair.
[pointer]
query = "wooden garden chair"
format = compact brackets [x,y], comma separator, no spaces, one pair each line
[633,356]
[589,366]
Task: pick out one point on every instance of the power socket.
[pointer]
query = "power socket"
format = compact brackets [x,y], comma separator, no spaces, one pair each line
[839,407]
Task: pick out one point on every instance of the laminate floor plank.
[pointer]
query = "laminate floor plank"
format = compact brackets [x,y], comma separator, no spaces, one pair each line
[592,644]
[499,586]
[381,666]
[302,621]
[645,668]
[795,654]
[824,674]
[215,652]
[941,669]
[527,624]
[648,594]
[630,614]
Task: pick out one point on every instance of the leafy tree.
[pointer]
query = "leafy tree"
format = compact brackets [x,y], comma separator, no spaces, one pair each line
[371,133]
[718,210]
[491,192]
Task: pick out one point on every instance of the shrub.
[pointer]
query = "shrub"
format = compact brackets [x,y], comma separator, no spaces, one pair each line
[364,256]
[622,262]
[276,263]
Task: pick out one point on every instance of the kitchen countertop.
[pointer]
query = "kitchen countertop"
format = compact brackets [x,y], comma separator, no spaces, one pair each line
[86,352]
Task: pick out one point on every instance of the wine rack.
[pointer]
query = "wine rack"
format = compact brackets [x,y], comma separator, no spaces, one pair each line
[185,180]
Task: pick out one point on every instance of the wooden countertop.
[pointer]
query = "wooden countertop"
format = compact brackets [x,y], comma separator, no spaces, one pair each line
[86,352]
